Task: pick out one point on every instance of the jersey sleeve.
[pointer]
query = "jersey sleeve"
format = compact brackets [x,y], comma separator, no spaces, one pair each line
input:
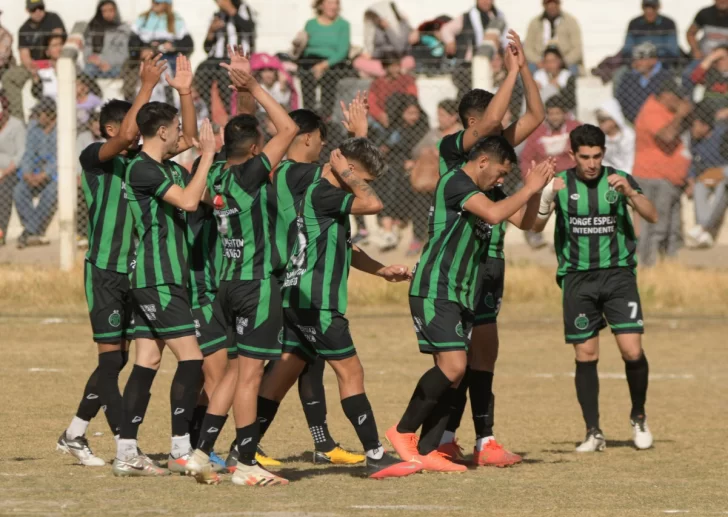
[331,201]
[458,189]
[147,178]
[451,151]
[89,158]
[253,173]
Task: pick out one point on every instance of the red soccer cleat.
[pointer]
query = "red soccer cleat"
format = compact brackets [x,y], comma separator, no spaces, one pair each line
[405,444]
[494,455]
[452,451]
[438,462]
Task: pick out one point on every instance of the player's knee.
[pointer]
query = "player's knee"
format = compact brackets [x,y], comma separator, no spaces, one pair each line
[453,366]
[349,372]
[632,354]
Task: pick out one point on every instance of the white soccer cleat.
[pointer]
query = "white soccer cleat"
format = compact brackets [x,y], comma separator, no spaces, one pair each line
[641,434]
[79,449]
[199,466]
[255,475]
[594,442]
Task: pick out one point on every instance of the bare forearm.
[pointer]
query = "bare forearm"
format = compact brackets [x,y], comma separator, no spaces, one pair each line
[366,199]
[189,117]
[671,131]
[494,114]
[363,262]
[528,214]
[502,210]
[129,128]
[277,113]
[195,190]
[644,207]
[535,111]
[246,103]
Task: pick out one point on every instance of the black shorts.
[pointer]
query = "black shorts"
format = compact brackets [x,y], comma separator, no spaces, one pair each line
[210,329]
[491,293]
[252,310]
[441,325]
[310,333]
[162,312]
[109,305]
[594,298]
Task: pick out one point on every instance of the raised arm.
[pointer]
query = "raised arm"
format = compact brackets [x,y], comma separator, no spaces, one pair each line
[363,262]
[692,36]
[366,201]
[239,61]
[668,137]
[355,117]
[182,82]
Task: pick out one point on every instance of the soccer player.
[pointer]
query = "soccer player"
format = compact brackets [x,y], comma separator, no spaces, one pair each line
[159,201]
[595,247]
[481,114]
[110,235]
[445,287]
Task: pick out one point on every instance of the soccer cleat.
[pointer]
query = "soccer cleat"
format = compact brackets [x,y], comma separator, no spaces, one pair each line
[178,465]
[405,444]
[231,462]
[594,441]
[438,462]
[390,467]
[494,455]
[139,466]
[201,468]
[452,451]
[265,460]
[218,464]
[641,434]
[79,449]
[255,475]
[338,456]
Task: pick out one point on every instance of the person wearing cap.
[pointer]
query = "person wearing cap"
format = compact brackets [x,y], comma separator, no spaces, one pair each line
[37,175]
[643,80]
[32,45]
[554,28]
[655,28]
[12,146]
[6,50]
[272,77]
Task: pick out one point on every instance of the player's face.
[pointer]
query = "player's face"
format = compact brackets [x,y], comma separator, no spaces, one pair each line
[315,145]
[588,161]
[492,173]
[699,130]
[170,134]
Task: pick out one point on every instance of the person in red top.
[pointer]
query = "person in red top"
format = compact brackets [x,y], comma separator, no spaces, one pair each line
[713,72]
[393,82]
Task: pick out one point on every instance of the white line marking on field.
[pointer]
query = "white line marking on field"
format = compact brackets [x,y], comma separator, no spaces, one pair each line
[267,514]
[44,370]
[52,321]
[8,474]
[676,511]
[413,507]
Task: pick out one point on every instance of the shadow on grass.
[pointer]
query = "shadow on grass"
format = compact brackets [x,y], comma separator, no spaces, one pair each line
[331,470]
[611,444]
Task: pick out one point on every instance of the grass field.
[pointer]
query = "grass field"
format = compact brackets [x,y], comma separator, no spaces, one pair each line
[47,355]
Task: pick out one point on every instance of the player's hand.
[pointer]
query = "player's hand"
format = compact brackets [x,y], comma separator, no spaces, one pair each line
[242,80]
[510,59]
[182,80]
[621,185]
[539,176]
[355,117]
[151,70]
[238,59]
[516,46]
[395,273]
[559,184]
[339,164]
[206,143]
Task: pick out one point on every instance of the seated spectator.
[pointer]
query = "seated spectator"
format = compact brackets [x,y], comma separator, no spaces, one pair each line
[712,24]
[86,101]
[273,78]
[428,48]
[383,88]
[554,28]
[6,50]
[233,24]
[551,139]
[654,28]
[645,78]
[12,146]
[163,30]
[661,168]
[620,137]
[707,174]
[553,78]
[37,176]
[713,73]
[106,42]
[386,32]
[481,30]
[324,60]
[45,82]
[32,40]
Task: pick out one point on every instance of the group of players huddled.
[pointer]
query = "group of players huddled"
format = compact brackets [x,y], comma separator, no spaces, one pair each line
[240,268]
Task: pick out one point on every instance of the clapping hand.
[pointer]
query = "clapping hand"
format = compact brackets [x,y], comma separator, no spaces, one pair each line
[182,80]
[355,117]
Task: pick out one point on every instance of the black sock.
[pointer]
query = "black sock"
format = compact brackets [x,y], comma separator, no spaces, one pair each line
[638,373]
[587,391]
[267,410]
[313,401]
[211,428]
[90,404]
[481,392]
[110,365]
[359,412]
[429,389]
[183,395]
[434,425]
[198,416]
[247,439]
[135,401]
[457,404]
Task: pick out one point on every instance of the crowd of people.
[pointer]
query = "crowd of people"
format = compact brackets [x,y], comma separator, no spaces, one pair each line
[665,122]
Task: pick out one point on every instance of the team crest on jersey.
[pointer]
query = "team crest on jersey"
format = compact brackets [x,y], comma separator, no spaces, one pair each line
[115,319]
[489,301]
[459,329]
[611,196]
[240,324]
[575,196]
[581,322]
[280,337]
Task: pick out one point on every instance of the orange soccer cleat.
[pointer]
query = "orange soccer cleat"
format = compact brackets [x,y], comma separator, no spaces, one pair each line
[494,455]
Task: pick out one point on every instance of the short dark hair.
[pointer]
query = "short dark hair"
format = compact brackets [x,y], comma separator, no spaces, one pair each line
[496,147]
[154,115]
[241,132]
[587,135]
[55,35]
[113,112]
[449,105]
[308,122]
[366,153]
[474,102]
[556,101]
[390,57]
[556,52]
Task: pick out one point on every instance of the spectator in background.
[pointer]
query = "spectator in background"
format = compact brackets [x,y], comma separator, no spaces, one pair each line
[324,60]
[45,81]
[383,88]
[551,139]
[12,146]
[554,28]
[163,30]
[232,25]
[620,137]
[713,73]
[654,28]
[32,39]
[106,42]
[712,22]
[645,78]
[386,32]
[481,30]
[37,175]
[86,101]
[661,168]
[271,76]
[6,49]
[707,174]
[555,79]
[428,48]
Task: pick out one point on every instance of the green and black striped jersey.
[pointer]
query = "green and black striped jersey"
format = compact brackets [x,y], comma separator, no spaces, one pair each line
[161,256]
[110,223]
[318,271]
[593,226]
[450,266]
[290,181]
[453,156]
[241,194]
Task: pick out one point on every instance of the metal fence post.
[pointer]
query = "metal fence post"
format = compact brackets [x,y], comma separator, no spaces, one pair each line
[67,157]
